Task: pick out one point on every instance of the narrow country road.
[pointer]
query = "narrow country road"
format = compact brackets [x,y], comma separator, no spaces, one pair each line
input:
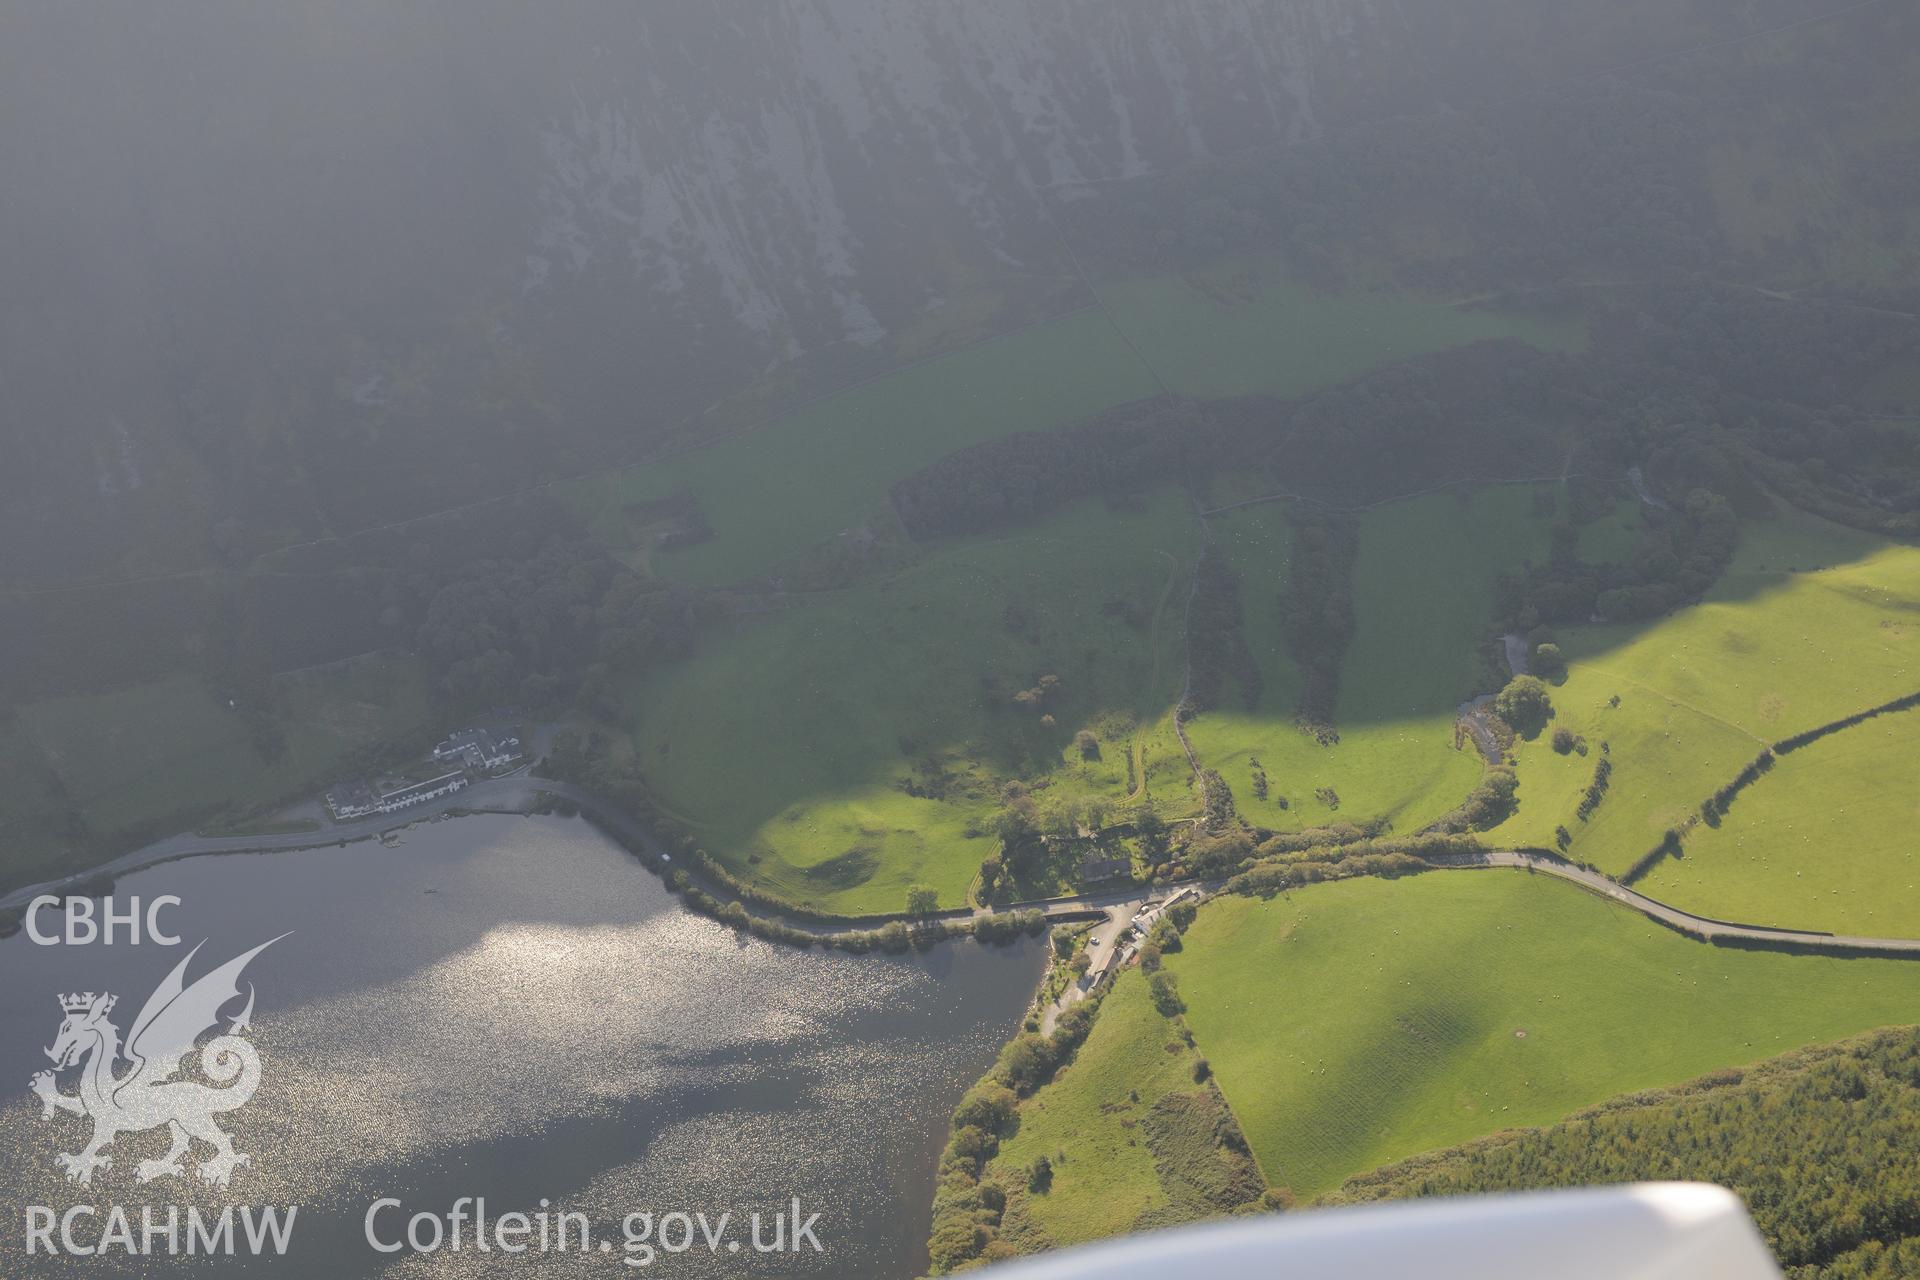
[519,791]
[1700,927]
[516,792]
[513,791]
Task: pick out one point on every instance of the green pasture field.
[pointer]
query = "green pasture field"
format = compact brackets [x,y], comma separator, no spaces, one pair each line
[1423,596]
[1356,1023]
[1242,326]
[827,467]
[1824,841]
[156,751]
[786,743]
[1811,623]
[1238,328]
[1087,1122]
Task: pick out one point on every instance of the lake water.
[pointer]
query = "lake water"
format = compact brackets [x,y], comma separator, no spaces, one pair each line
[512,1008]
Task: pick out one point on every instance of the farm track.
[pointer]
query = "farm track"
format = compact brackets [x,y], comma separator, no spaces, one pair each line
[1160,614]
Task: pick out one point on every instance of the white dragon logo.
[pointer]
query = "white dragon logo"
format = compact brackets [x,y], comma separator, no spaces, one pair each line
[146,1096]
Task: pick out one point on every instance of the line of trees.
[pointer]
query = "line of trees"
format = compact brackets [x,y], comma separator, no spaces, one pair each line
[1470,414]
[1714,808]
[1716,805]
[1678,556]
[966,1209]
[1217,649]
[1811,736]
[1317,612]
[1000,482]
[1490,803]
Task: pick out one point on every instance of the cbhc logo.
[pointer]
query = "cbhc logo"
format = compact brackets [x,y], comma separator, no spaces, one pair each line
[84,924]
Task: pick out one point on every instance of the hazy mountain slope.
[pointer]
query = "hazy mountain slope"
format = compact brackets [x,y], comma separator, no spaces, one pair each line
[277,272]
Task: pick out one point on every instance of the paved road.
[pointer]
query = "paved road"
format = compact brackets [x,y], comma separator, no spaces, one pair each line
[1701,927]
[518,791]
[1518,654]
[514,791]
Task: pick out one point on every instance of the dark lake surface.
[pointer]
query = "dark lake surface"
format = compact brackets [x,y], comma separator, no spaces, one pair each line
[511,1008]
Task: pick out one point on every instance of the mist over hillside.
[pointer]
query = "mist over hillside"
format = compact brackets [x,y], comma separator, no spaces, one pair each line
[275,273]
[1387,531]
[369,366]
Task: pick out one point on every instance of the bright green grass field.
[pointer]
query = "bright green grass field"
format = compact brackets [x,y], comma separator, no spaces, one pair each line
[153,751]
[785,741]
[1360,1022]
[1423,592]
[1828,840]
[1091,1114]
[827,467]
[1243,327]
[1811,622]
